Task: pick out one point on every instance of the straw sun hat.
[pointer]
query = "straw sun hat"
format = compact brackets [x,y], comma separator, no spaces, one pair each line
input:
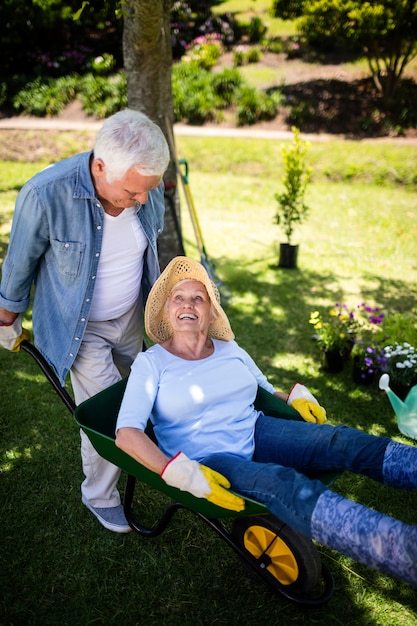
[180,268]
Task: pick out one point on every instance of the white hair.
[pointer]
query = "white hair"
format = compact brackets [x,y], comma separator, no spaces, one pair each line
[130,139]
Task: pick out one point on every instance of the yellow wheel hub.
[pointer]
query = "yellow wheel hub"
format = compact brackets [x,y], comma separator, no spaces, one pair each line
[264,544]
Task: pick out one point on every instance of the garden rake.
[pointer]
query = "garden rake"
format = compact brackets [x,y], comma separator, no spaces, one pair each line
[183,172]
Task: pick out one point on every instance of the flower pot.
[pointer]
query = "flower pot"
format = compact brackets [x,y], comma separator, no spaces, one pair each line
[361,376]
[348,349]
[333,361]
[288,255]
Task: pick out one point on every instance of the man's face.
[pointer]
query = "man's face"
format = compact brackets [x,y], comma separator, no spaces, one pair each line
[123,193]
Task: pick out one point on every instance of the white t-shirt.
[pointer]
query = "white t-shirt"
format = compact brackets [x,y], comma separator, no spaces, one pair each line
[120,267]
[199,407]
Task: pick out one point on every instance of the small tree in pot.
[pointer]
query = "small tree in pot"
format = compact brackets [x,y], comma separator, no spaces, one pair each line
[291,207]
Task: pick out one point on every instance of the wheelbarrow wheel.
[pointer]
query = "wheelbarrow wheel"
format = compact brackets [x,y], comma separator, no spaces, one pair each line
[290,558]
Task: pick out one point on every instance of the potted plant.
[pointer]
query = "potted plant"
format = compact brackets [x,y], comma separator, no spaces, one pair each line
[401,365]
[334,335]
[368,357]
[367,352]
[291,206]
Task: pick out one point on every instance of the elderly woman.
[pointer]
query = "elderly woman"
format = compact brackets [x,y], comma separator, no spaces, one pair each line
[198,387]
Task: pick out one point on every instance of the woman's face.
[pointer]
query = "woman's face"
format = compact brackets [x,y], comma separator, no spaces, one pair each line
[189,308]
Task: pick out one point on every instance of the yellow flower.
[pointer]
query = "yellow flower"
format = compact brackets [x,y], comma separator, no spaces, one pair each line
[315,317]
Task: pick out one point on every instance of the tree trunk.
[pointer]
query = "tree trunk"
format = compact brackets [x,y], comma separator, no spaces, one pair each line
[147,53]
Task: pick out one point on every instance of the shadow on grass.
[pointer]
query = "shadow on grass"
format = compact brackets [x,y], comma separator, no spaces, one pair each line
[351,108]
[278,323]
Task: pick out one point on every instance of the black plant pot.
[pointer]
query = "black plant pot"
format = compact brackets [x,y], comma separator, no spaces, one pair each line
[288,254]
[333,361]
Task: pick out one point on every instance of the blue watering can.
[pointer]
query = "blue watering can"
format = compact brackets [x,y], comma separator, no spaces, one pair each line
[406,412]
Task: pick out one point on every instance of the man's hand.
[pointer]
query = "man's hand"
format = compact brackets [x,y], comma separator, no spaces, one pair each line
[306,404]
[203,482]
[12,335]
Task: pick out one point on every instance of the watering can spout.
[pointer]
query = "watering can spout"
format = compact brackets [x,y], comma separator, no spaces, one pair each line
[397,404]
[406,412]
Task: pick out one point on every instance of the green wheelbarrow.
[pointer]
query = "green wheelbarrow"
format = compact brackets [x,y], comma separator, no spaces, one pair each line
[269,549]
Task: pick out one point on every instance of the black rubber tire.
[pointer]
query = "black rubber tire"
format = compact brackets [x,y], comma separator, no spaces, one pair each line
[289,557]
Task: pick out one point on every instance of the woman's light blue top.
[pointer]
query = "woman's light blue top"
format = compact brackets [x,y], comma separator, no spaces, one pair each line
[197,407]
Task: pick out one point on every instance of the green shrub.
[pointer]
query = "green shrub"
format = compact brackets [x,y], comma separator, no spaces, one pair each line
[256,30]
[239,56]
[226,83]
[103,96]
[46,96]
[199,95]
[192,92]
[293,47]
[275,45]
[3,94]
[246,54]
[103,64]
[205,51]
[253,55]
[100,96]
[254,106]
[202,106]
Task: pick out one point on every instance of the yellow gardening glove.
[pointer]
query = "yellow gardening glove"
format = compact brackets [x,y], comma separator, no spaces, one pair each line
[203,482]
[12,336]
[219,486]
[306,405]
[309,411]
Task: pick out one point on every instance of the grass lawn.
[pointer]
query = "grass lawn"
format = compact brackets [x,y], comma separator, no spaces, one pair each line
[246,10]
[58,566]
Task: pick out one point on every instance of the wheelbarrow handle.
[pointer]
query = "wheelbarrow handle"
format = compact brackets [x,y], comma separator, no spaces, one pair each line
[50,374]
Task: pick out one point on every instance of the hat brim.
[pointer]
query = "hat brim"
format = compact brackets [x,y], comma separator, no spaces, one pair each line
[180,268]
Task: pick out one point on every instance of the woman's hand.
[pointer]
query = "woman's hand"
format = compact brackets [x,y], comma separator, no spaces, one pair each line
[306,404]
[203,482]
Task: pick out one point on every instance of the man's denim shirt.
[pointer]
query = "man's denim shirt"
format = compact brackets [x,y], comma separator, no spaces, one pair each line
[55,243]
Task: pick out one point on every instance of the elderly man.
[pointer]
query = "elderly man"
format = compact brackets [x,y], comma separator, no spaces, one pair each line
[84,233]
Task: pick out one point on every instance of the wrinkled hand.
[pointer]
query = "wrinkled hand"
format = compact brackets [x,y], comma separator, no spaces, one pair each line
[203,482]
[12,336]
[306,404]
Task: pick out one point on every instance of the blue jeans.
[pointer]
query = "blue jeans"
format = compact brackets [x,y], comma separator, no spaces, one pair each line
[286,453]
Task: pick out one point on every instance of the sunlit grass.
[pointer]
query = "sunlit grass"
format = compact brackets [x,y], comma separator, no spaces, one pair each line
[13,174]
[247,9]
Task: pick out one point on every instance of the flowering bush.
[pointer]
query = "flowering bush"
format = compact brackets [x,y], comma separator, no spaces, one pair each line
[246,54]
[368,353]
[293,48]
[336,332]
[205,50]
[401,363]
[367,349]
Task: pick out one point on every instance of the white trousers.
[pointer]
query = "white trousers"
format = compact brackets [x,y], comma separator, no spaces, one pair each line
[105,356]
